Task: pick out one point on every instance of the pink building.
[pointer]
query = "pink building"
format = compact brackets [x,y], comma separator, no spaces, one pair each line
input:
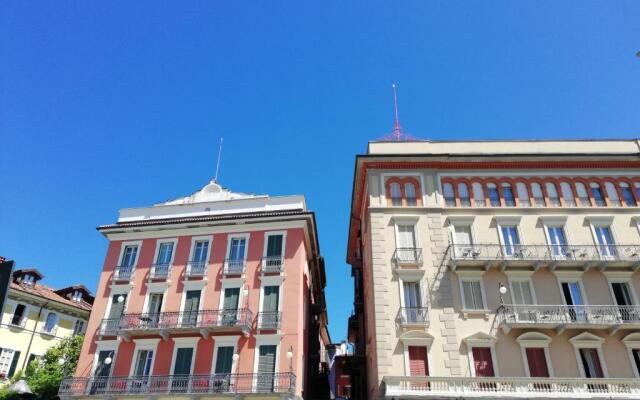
[214,294]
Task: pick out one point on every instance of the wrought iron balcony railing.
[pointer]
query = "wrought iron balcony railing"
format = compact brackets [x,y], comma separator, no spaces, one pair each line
[269,320]
[407,256]
[550,255]
[196,269]
[563,316]
[160,271]
[122,273]
[411,316]
[538,388]
[233,267]
[109,326]
[260,383]
[185,320]
[272,265]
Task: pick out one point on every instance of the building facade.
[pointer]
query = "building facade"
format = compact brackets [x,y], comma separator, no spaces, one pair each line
[212,295]
[498,269]
[36,317]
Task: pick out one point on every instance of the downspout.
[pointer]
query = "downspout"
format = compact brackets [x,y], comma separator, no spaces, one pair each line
[33,333]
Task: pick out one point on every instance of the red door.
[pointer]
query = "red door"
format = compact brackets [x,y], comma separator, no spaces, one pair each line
[418,365]
[537,361]
[482,361]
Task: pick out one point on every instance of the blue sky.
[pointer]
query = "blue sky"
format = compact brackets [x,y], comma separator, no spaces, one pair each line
[105,105]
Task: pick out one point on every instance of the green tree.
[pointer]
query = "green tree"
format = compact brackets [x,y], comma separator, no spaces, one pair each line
[45,374]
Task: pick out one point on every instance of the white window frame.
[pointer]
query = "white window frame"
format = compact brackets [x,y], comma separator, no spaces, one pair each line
[232,284]
[184,343]
[621,278]
[173,241]
[632,342]
[144,344]
[270,281]
[266,242]
[481,340]
[192,285]
[105,345]
[118,290]
[535,340]
[55,321]
[570,277]
[246,237]
[509,222]
[192,249]
[266,340]
[156,288]
[521,278]
[123,245]
[602,221]
[588,340]
[472,276]
[420,339]
[406,221]
[15,303]
[224,341]
[421,287]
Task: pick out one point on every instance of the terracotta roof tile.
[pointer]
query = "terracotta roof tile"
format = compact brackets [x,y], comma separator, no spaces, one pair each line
[48,293]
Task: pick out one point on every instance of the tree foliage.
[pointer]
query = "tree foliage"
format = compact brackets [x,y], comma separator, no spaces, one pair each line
[45,374]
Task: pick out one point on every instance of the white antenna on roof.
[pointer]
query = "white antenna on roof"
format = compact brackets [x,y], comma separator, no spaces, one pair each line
[218,163]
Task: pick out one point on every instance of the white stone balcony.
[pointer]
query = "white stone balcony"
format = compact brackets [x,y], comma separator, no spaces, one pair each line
[427,387]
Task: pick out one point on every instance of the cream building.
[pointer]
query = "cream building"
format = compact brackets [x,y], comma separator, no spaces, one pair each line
[497,269]
[36,317]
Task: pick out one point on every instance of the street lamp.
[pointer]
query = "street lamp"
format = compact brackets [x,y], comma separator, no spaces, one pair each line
[108,360]
[290,357]
[120,299]
[502,289]
[236,357]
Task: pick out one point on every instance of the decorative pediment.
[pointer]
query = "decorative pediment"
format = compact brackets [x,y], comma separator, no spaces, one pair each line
[533,339]
[586,339]
[417,338]
[479,338]
[632,340]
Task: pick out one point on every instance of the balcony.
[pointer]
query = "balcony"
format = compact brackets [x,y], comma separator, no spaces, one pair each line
[272,265]
[407,257]
[561,317]
[233,267]
[538,388]
[413,317]
[190,385]
[122,273]
[269,320]
[196,269]
[160,272]
[165,323]
[620,257]
[109,327]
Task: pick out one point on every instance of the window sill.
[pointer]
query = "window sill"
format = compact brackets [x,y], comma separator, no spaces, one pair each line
[466,313]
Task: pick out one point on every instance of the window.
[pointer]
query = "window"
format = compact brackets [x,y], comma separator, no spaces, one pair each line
[552,194]
[410,194]
[591,363]
[32,358]
[8,362]
[143,363]
[230,306]
[463,193]
[154,304]
[270,317]
[412,312]
[103,368]
[624,299]
[266,367]
[28,279]
[494,196]
[237,249]
[449,196]
[510,241]
[627,195]
[521,292]
[572,295]
[463,241]
[224,362]
[567,195]
[612,194]
[129,256]
[182,367]
[507,193]
[78,327]
[604,239]
[396,195]
[50,323]
[482,361]
[478,195]
[76,296]
[598,197]
[18,318]
[418,363]
[406,244]
[523,195]
[636,358]
[472,296]
[538,197]
[191,308]
[557,241]
[537,362]
[200,251]
[274,246]
[583,196]
[165,252]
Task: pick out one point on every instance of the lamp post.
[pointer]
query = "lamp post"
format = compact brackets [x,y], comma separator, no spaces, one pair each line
[290,357]
[502,289]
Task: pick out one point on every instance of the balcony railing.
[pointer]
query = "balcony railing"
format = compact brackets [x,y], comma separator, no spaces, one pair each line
[552,256]
[272,265]
[223,320]
[407,256]
[475,387]
[262,383]
[233,267]
[122,273]
[412,316]
[269,320]
[563,316]
[109,326]
[160,271]
[196,269]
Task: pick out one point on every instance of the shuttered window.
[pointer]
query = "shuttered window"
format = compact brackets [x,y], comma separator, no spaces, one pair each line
[224,360]
[472,295]
[482,361]
[418,364]
[537,361]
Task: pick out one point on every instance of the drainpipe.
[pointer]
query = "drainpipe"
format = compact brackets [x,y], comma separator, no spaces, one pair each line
[33,333]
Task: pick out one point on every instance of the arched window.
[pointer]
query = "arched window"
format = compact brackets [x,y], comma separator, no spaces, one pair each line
[538,197]
[478,195]
[396,196]
[552,193]
[612,194]
[567,195]
[523,194]
[507,193]
[598,196]
[463,193]
[494,196]
[449,197]
[627,195]
[583,196]
[410,194]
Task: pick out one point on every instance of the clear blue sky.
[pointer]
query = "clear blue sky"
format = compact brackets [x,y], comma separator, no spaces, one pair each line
[105,105]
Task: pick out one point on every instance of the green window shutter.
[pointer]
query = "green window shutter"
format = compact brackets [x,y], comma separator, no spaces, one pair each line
[14,364]
[271,294]
[224,360]
[183,361]
[274,246]
[231,296]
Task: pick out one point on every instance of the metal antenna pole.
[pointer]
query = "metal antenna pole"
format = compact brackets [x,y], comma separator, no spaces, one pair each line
[396,123]
[218,163]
